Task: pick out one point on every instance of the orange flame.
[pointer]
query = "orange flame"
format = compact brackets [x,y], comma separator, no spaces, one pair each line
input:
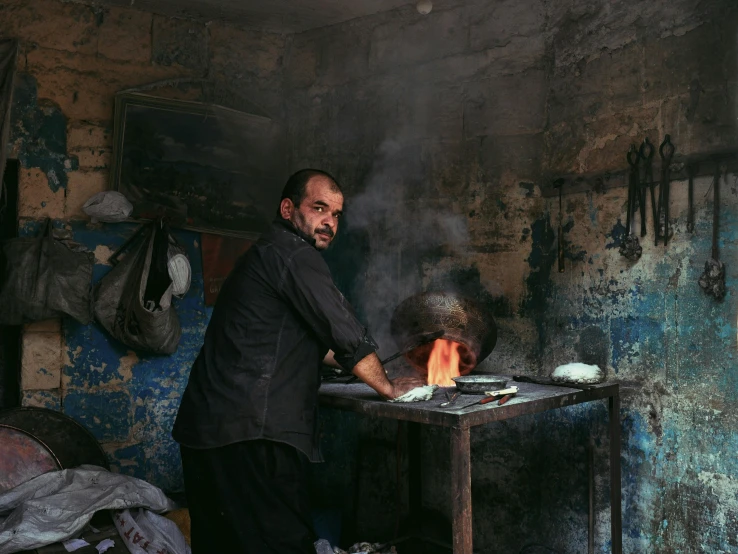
[443,363]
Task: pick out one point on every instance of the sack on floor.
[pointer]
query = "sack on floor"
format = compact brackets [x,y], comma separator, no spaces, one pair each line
[55,506]
[144,532]
[44,278]
[134,301]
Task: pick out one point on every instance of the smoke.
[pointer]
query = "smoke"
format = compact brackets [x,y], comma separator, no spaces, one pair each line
[406,228]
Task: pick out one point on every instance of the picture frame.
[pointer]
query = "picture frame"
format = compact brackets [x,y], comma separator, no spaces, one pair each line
[203,167]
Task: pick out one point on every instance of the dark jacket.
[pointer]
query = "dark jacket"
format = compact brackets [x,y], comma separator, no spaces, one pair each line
[258,372]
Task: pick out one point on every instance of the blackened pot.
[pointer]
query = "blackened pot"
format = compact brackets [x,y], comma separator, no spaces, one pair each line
[462,319]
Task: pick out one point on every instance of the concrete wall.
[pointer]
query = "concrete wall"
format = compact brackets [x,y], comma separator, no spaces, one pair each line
[443,128]
[73,60]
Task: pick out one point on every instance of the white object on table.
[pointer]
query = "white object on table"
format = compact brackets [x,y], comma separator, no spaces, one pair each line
[418,394]
[502,392]
[578,373]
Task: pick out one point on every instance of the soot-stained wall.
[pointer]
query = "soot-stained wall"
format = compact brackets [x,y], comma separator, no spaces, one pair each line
[444,128]
[73,60]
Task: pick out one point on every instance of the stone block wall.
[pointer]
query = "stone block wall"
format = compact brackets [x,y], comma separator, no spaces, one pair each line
[444,129]
[73,60]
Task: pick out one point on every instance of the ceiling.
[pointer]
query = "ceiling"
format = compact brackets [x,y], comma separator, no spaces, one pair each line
[274,15]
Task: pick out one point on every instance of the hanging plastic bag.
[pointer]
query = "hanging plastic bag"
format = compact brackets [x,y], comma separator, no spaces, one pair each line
[44,278]
[134,301]
[109,206]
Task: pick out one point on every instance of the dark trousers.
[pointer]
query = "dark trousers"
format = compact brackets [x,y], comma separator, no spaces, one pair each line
[250,497]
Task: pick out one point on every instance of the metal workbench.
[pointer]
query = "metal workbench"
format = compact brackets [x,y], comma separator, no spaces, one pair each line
[531,399]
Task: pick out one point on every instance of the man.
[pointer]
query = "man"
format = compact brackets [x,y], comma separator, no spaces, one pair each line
[247,422]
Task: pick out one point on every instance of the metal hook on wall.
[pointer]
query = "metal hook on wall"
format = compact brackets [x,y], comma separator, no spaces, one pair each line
[559,183]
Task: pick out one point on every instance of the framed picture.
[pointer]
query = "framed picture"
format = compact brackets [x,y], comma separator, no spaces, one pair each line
[203,167]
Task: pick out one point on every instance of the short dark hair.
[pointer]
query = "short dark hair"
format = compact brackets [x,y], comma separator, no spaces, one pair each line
[294,189]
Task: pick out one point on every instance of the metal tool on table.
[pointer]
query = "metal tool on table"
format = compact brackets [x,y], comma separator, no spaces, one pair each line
[491,396]
[503,395]
[646,153]
[550,382]
[666,151]
[631,248]
[712,280]
[559,183]
[450,399]
[505,399]
[691,171]
[423,340]
[476,384]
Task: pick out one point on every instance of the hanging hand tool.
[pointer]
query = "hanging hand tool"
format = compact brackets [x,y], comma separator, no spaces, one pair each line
[691,171]
[712,280]
[631,248]
[560,185]
[631,198]
[646,153]
[666,151]
[640,191]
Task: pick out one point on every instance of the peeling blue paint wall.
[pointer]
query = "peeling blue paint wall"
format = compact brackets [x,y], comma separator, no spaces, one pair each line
[132,409]
[40,136]
[73,59]
[512,92]
[515,95]
[672,348]
[128,400]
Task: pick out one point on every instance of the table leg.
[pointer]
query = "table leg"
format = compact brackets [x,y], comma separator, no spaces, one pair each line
[415,469]
[461,506]
[616,524]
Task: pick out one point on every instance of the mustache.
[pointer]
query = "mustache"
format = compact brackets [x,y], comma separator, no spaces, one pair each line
[327,230]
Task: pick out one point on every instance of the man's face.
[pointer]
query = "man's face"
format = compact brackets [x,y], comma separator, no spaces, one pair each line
[318,213]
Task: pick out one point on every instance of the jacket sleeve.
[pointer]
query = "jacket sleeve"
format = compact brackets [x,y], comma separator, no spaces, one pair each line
[307,285]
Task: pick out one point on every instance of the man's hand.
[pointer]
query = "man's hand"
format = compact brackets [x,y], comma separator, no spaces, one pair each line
[401,385]
[370,371]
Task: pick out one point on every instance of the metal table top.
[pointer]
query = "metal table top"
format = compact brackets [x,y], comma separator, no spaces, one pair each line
[531,399]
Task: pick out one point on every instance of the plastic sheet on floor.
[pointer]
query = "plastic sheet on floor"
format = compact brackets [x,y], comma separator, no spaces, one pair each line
[57,505]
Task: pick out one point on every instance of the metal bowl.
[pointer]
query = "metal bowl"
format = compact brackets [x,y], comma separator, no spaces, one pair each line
[463,321]
[479,383]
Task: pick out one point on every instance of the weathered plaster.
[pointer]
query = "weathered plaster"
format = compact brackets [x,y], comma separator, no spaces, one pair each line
[73,60]
[442,147]
[431,134]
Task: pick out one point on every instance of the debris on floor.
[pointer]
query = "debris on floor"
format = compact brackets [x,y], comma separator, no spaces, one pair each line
[58,505]
[324,547]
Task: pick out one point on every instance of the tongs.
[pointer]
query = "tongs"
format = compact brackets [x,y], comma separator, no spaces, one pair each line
[423,340]
[450,399]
